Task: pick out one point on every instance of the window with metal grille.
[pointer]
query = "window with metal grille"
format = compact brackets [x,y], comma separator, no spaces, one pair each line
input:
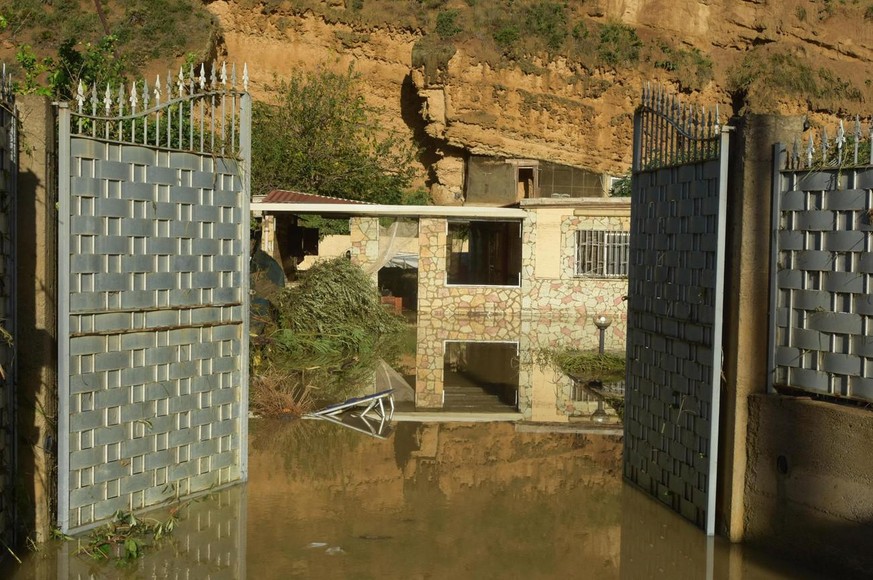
[601,253]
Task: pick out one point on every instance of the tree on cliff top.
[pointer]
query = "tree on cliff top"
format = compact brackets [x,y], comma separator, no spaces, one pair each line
[320,136]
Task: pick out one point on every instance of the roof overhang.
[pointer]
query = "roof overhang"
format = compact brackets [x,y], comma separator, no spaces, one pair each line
[345,210]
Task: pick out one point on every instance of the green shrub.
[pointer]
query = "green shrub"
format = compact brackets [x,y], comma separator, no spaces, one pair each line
[447,24]
[507,37]
[580,31]
[619,45]
[691,68]
[622,187]
[548,21]
[319,135]
[330,331]
[763,78]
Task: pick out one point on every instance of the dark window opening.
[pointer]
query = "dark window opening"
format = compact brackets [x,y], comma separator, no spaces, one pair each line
[526,182]
[483,253]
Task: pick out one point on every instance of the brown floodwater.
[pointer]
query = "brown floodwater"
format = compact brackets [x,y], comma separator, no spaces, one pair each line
[440,500]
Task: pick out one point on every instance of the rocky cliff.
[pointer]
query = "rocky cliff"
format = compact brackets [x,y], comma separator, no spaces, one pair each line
[792,56]
[531,79]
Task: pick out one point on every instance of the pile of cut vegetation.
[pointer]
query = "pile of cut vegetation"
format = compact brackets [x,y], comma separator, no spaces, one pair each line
[322,341]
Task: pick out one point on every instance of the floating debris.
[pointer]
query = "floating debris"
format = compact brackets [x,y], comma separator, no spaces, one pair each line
[312,545]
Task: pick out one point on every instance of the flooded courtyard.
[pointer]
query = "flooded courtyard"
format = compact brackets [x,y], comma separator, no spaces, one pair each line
[429,500]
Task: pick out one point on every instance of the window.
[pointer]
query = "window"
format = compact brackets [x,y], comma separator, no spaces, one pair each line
[483,253]
[602,254]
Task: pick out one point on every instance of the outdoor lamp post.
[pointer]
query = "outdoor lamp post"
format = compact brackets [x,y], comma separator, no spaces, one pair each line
[602,322]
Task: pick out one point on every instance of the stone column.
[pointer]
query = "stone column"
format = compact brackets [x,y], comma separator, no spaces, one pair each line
[747,295]
[364,237]
[37,314]
[431,278]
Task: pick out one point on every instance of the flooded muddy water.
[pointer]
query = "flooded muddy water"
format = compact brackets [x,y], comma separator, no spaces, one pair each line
[441,500]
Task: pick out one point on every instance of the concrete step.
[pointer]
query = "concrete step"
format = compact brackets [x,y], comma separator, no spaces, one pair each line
[474,399]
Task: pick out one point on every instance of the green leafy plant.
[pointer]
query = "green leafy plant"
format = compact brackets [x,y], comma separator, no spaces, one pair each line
[507,37]
[621,187]
[143,29]
[126,537]
[58,76]
[447,24]
[548,21]
[619,45]
[328,333]
[762,78]
[318,135]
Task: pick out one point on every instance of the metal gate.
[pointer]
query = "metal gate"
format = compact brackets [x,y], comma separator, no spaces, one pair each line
[153,272]
[821,323]
[675,287]
[8,281]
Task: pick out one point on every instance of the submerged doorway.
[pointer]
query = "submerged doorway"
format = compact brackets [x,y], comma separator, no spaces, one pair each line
[480,376]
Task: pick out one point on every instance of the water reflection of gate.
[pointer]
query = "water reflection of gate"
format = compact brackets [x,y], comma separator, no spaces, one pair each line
[675,290]
[209,542]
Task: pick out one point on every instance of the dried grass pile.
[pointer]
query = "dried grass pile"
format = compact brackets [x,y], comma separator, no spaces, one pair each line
[323,342]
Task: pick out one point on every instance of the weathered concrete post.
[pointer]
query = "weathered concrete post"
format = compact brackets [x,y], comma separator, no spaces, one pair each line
[37,313]
[747,280]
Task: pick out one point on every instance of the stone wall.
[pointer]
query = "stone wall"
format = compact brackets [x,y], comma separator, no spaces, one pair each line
[464,313]
[558,307]
[550,288]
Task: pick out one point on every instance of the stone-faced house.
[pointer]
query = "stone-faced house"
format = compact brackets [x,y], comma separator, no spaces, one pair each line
[525,269]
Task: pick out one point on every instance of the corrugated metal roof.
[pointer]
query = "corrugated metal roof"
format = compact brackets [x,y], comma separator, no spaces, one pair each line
[284,196]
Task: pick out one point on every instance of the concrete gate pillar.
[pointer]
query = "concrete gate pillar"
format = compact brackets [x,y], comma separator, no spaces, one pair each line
[746,305]
[37,314]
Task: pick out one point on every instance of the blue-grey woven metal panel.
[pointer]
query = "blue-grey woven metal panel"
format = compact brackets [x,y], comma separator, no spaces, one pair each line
[8,195]
[673,341]
[823,278]
[156,349]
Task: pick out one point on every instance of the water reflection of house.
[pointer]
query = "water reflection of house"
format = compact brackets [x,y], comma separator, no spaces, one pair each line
[535,253]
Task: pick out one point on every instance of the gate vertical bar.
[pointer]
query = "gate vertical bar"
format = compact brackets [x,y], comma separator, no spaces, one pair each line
[717,328]
[64,137]
[775,218]
[638,145]
[245,150]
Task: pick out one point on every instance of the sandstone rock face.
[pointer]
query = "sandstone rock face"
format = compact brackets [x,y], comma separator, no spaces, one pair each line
[556,110]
